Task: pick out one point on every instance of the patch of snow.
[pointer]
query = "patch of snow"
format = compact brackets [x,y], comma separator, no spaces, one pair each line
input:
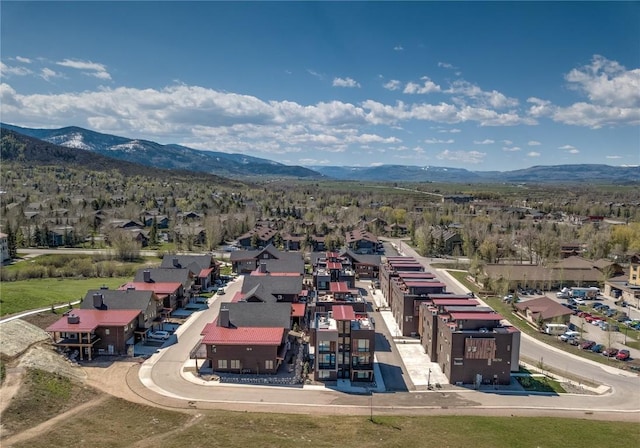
[131,146]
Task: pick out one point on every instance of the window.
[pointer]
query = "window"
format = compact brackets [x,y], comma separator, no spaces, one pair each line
[106,331]
[323,374]
[363,345]
[235,363]
[222,363]
[458,361]
[268,364]
[323,346]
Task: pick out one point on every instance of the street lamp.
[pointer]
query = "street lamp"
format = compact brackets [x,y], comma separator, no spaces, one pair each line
[429,379]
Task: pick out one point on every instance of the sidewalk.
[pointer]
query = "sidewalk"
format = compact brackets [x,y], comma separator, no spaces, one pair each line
[423,373]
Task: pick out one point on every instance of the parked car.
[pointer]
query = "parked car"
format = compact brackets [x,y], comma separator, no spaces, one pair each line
[623,355]
[159,334]
[586,345]
[597,348]
[590,318]
[569,335]
[574,341]
[597,305]
[221,291]
[610,352]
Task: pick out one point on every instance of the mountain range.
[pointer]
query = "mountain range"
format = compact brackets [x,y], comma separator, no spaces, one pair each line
[240,166]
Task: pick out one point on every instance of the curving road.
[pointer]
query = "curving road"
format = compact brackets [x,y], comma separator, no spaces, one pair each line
[165,382]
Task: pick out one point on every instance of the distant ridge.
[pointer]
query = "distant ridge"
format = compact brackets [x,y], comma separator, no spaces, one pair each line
[30,151]
[243,167]
[154,154]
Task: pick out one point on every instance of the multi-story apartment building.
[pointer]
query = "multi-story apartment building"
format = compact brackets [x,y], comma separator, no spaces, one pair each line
[343,343]
[469,342]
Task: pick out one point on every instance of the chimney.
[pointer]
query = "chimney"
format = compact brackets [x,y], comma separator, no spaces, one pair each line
[98,300]
[147,276]
[176,264]
[263,268]
[223,318]
[73,319]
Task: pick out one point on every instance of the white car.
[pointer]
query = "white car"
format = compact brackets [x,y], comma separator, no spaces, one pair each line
[569,335]
[159,334]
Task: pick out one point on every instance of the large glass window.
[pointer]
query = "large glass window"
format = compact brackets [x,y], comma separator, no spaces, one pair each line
[235,363]
[363,345]
[222,363]
[268,364]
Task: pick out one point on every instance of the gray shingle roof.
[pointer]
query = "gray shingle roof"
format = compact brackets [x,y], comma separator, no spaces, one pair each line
[271,284]
[245,314]
[195,263]
[165,275]
[119,300]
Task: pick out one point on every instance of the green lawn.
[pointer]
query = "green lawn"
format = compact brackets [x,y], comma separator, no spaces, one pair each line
[39,293]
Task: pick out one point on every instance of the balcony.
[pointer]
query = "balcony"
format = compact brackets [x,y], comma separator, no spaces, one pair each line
[329,366]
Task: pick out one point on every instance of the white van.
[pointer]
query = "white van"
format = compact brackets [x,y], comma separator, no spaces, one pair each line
[555,329]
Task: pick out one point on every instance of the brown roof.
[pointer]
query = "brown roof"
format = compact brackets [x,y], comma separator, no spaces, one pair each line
[544,306]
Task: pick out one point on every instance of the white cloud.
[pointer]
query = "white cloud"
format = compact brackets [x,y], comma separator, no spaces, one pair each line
[427,86]
[570,149]
[345,82]
[472,157]
[398,48]
[533,143]
[507,142]
[450,131]
[511,148]
[607,82]
[613,92]
[315,74]
[23,60]
[446,65]
[313,161]
[7,70]
[483,142]
[481,98]
[393,84]
[89,68]
[533,154]
[435,141]
[48,74]
[614,157]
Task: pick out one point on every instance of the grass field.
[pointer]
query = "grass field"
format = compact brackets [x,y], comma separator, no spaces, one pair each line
[117,423]
[39,293]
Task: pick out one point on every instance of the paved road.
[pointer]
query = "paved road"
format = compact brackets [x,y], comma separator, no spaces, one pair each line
[163,377]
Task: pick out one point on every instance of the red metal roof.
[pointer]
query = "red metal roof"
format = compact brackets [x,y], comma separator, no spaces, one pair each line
[298,309]
[476,316]
[343,312]
[205,272]
[332,255]
[158,288]
[448,296]
[425,284]
[338,287]
[455,302]
[91,319]
[257,273]
[425,275]
[334,265]
[213,334]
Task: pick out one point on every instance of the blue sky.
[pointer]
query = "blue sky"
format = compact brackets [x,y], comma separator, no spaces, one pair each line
[482,85]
